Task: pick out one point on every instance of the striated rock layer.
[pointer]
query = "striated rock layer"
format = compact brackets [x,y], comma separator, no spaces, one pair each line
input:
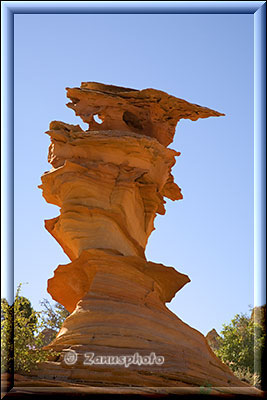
[109,186]
[110,182]
[148,112]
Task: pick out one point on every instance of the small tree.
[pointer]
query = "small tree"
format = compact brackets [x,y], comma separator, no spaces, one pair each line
[237,343]
[53,316]
[21,346]
[240,342]
[7,345]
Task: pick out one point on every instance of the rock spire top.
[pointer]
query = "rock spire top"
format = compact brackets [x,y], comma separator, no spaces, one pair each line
[149,112]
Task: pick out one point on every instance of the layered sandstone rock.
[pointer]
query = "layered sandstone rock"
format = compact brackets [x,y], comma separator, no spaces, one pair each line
[148,112]
[213,339]
[110,182]
[109,185]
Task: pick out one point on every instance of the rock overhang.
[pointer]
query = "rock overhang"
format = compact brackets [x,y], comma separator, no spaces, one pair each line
[149,112]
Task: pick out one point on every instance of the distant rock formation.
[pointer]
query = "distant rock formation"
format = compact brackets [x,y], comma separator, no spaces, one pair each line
[110,182]
[212,338]
[47,335]
[258,315]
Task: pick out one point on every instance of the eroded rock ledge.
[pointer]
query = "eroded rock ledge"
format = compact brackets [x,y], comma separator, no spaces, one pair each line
[148,112]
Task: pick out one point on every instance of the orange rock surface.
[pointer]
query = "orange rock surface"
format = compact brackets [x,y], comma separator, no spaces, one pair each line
[109,185]
[148,112]
[71,282]
[110,182]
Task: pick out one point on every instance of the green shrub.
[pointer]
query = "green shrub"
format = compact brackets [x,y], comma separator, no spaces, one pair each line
[241,345]
[21,342]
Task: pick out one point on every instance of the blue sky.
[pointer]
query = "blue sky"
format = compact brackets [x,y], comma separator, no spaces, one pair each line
[204,59]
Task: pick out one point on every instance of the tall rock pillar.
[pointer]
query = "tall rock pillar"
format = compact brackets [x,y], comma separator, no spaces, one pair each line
[110,181]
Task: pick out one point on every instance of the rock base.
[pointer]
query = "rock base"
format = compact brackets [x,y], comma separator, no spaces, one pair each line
[123,314]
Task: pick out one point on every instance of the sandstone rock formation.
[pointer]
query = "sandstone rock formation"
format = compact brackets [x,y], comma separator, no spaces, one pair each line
[258,315]
[148,112]
[110,182]
[213,339]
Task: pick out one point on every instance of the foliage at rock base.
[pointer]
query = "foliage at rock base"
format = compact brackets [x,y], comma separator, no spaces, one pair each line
[21,336]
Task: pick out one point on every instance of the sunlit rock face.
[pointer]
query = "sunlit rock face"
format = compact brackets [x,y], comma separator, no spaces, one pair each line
[110,182]
[109,185]
[148,112]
